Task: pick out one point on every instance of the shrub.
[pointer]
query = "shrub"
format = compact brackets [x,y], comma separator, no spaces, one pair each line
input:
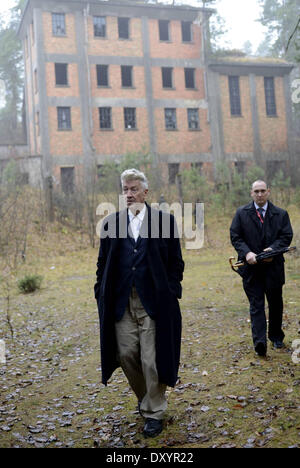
[30,283]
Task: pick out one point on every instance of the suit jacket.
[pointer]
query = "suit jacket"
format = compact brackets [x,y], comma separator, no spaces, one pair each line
[166,268]
[247,235]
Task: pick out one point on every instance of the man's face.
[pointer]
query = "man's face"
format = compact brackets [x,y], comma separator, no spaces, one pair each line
[134,193]
[260,193]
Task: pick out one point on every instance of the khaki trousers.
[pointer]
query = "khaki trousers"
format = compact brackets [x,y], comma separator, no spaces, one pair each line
[135,334]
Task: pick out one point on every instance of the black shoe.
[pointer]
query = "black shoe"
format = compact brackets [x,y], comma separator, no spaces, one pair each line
[261,349]
[278,344]
[153,427]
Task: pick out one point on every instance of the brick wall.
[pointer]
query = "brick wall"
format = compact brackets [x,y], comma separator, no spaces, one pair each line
[273,130]
[238,131]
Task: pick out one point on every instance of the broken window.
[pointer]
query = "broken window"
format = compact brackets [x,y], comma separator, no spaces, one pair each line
[99,26]
[64,118]
[58,24]
[130,118]
[105,117]
[170,119]
[193,119]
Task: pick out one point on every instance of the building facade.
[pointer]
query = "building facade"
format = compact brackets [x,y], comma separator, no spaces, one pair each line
[107,78]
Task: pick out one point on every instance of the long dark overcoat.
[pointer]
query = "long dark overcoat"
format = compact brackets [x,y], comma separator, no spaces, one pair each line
[166,267]
[247,235]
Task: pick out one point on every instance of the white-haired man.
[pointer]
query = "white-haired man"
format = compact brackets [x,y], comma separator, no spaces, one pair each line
[139,272]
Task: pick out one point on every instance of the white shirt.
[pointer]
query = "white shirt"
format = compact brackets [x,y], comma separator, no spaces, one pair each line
[135,222]
[265,207]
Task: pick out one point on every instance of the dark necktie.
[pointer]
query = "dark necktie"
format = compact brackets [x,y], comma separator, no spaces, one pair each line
[261,215]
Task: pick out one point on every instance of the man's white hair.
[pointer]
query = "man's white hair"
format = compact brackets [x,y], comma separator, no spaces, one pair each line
[134,174]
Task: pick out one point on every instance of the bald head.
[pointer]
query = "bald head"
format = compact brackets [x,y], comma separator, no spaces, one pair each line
[260,192]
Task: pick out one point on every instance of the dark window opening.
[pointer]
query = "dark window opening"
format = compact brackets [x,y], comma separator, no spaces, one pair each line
[64,118]
[99,26]
[167,77]
[58,24]
[100,171]
[273,168]
[170,119]
[126,75]
[123,27]
[186,31]
[105,117]
[163,26]
[270,96]
[234,92]
[67,179]
[198,166]
[61,74]
[130,118]
[102,75]
[240,167]
[189,76]
[173,172]
[193,119]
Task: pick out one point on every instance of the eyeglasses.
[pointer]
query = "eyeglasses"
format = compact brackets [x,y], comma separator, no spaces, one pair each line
[260,191]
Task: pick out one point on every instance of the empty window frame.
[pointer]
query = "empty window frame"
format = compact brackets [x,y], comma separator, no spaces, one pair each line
[64,118]
[170,119]
[234,93]
[167,77]
[58,24]
[164,30]
[123,28]
[105,118]
[193,119]
[99,26]
[130,118]
[189,76]
[270,96]
[240,167]
[186,31]
[61,74]
[67,179]
[173,169]
[126,76]
[198,167]
[273,168]
[102,75]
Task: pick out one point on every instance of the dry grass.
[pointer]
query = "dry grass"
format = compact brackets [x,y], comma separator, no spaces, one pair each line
[51,395]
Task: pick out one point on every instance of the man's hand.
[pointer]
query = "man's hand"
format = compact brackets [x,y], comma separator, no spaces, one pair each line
[268,260]
[251,258]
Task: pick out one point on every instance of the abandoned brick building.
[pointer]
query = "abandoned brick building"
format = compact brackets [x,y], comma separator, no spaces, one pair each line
[106,78]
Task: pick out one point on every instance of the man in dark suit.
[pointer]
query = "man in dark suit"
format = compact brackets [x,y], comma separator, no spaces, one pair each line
[139,272]
[256,227]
